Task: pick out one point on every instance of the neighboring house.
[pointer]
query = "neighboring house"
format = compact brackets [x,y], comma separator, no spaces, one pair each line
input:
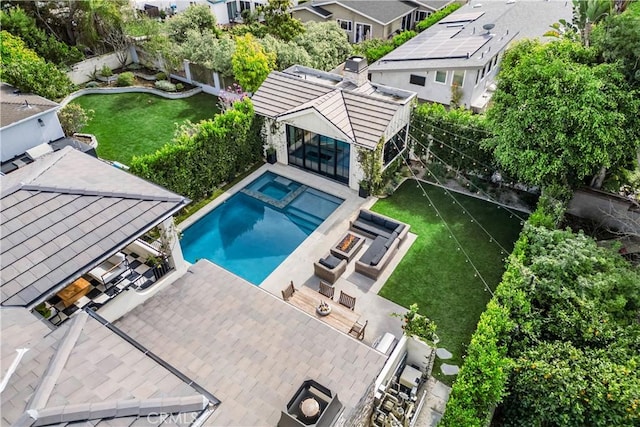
[318,121]
[26,121]
[364,20]
[226,11]
[67,215]
[465,49]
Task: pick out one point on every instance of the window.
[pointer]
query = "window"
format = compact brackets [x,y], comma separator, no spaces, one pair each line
[489,65]
[245,5]
[394,146]
[421,15]
[417,80]
[495,60]
[363,32]
[477,76]
[345,25]
[441,77]
[458,78]
[484,71]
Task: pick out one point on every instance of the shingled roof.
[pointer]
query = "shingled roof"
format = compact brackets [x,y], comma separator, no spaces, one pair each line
[84,371]
[361,113]
[16,106]
[66,213]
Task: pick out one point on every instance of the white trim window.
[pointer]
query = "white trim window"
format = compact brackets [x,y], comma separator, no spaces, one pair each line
[441,77]
[345,25]
[363,32]
[458,78]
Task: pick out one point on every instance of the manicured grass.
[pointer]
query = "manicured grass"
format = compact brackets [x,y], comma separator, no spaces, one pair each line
[132,124]
[435,274]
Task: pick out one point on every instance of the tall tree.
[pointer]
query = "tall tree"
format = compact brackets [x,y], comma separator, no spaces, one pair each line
[196,17]
[559,117]
[279,21]
[326,43]
[251,65]
[618,39]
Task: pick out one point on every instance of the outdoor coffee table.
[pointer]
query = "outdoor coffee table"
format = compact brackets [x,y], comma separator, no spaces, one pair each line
[348,246]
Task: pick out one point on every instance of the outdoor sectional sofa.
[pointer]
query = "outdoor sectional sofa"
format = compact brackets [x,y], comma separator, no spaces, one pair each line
[387,234]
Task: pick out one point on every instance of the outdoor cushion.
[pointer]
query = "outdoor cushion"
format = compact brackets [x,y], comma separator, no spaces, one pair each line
[378,220]
[390,225]
[376,251]
[390,240]
[365,215]
[116,258]
[371,228]
[399,228]
[330,262]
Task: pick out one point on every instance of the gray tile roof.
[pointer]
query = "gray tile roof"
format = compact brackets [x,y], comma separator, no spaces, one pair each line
[247,346]
[313,9]
[382,11]
[518,20]
[66,213]
[433,4]
[357,112]
[15,107]
[82,371]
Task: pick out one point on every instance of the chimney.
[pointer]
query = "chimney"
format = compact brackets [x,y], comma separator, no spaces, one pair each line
[355,70]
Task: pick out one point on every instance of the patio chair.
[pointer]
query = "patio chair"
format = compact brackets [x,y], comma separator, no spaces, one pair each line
[347,300]
[326,289]
[357,330]
[288,291]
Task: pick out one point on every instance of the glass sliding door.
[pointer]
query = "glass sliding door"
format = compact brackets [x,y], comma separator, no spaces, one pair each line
[318,153]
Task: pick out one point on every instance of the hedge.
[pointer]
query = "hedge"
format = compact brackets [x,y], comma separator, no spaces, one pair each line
[437,16]
[205,155]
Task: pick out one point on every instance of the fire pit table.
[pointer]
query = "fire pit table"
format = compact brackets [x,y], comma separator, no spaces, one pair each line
[348,246]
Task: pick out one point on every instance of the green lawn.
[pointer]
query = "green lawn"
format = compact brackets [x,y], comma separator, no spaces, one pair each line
[130,124]
[435,274]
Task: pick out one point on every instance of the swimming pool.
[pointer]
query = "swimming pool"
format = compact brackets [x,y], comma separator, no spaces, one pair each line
[253,231]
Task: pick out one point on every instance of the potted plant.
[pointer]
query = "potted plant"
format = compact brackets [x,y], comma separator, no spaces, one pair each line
[363,190]
[271,155]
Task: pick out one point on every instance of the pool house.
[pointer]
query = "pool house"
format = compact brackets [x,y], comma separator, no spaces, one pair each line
[319,121]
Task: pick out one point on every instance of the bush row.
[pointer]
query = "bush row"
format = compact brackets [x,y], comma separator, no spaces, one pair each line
[205,155]
[437,16]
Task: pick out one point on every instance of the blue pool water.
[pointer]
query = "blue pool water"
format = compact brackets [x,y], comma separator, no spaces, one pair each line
[252,232]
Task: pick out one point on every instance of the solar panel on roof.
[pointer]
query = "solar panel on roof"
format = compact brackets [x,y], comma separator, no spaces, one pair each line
[440,45]
[461,17]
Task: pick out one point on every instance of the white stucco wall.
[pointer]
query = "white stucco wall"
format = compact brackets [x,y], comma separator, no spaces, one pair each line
[20,137]
[82,72]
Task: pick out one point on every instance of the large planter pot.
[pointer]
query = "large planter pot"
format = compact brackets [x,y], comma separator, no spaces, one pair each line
[363,192]
[271,157]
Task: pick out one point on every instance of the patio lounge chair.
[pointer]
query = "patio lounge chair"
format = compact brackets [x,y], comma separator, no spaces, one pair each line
[288,291]
[347,300]
[326,289]
[330,268]
[357,330]
[111,269]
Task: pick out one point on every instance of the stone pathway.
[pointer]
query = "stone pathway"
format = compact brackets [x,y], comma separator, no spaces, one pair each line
[449,369]
[436,400]
[443,353]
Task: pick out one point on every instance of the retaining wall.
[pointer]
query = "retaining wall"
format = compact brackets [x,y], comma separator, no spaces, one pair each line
[81,72]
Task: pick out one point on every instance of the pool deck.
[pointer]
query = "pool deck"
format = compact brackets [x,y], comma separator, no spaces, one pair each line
[298,267]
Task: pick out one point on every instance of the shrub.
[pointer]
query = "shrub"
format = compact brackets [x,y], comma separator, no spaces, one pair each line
[91,84]
[161,76]
[106,71]
[437,16]
[179,86]
[73,118]
[125,79]
[165,85]
[134,66]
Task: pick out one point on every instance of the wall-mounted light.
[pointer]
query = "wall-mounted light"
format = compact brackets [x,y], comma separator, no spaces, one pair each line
[41,122]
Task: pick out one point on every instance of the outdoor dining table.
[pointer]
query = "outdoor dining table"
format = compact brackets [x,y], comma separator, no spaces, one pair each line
[308,300]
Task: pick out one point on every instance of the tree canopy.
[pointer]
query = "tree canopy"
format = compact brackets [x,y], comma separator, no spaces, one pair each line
[196,17]
[279,21]
[558,116]
[618,39]
[251,64]
[326,43]
[24,69]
